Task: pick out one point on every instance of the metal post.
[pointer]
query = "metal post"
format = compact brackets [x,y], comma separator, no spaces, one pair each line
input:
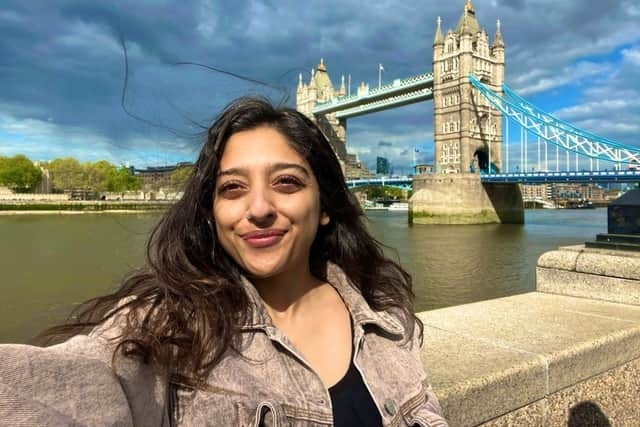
[577,164]
[507,144]
[568,162]
[522,150]
[546,156]
[489,155]
[557,158]
[538,154]
[490,139]
[526,141]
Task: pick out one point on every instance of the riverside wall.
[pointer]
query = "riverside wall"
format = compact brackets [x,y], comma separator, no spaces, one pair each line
[565,355]
[463,199]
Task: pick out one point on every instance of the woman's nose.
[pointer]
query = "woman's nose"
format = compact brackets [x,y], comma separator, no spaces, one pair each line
[261,209]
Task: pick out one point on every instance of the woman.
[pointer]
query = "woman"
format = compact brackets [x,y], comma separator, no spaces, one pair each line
[264,301]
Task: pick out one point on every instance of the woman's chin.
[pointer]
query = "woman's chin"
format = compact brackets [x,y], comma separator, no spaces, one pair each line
[262,270]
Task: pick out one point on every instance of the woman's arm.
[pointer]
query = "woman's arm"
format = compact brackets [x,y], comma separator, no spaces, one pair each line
[74,383]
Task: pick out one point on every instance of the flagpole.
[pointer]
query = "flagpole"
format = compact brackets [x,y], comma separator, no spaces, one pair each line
[380,69]
[349,90]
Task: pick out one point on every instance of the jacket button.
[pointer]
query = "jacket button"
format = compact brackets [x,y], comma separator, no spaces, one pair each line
[390,407]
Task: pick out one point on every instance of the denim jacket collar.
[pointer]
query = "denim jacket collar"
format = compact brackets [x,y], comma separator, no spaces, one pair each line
[358,308]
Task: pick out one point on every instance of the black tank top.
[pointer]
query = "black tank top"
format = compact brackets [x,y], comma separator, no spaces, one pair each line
[352,404]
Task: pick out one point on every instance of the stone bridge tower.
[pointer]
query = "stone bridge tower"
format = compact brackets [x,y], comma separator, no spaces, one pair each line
[467,133]
[467,130]
[320,89]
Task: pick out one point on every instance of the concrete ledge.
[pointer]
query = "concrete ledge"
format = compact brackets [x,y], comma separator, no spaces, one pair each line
[602,262]
[591,273]
[498,360]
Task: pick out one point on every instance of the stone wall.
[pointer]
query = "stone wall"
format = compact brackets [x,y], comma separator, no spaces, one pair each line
[463,199]
[33,197]
[545,358]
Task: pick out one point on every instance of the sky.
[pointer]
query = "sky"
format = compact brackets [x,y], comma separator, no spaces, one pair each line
[68,89]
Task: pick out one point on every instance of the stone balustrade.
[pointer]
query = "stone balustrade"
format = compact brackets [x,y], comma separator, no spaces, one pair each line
[32,197]
[565,355]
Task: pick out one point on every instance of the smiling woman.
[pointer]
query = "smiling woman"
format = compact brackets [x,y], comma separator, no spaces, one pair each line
[264,301]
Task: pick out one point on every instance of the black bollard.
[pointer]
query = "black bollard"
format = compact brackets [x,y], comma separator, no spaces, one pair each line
[623,224]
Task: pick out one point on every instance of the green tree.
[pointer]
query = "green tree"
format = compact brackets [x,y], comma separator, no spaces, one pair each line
[123,180]
[99,175]
[378,192]
[179,177]
[67,174]
[19,173]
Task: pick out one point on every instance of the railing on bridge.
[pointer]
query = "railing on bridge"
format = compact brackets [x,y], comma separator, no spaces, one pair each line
[356,103]
[564,176]
[561,134]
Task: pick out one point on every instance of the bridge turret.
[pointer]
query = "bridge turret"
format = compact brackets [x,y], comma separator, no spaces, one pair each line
[467,130]
[498,42]
[343,89]
[438,39]
[497,52]
[300,84]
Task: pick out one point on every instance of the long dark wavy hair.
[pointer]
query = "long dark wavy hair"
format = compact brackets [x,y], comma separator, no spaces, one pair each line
[186,305]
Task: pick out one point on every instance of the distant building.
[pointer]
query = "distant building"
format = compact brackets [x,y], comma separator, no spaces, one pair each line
[536,191]
[44,186]
[578,191]
[382,166]
[156,177]
[423,168]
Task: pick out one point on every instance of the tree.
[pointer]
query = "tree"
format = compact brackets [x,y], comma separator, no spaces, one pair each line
[66,174]
[19,173]
[123,179]
[385,192]
[99,175]
[179,177]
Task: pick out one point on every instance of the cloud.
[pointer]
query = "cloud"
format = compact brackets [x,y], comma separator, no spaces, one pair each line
[384,144]
[62,60]
[535,81]
[632,55]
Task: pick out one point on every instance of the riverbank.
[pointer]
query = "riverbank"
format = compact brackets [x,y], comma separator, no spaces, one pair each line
[77,207]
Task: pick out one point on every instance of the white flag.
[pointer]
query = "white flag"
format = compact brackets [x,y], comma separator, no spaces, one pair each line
[380,67]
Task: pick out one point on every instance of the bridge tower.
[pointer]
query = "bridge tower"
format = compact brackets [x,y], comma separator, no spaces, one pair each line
[318,90]
[467,130]
[467,133]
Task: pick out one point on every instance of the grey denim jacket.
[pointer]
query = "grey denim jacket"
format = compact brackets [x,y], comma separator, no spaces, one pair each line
[268,383]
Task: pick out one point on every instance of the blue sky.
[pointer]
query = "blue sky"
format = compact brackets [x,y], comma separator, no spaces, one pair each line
[62,68]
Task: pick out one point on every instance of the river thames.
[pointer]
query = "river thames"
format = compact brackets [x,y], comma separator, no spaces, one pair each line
[51,262]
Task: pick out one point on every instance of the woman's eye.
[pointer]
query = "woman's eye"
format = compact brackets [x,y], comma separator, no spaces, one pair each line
[288,184]
[230,190]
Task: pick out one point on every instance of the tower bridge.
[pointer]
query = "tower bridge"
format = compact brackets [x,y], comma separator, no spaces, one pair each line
[472,108]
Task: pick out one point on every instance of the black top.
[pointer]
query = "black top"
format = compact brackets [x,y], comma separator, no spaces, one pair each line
[352,403]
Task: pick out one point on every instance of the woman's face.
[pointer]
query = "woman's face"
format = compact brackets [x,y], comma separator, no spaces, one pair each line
[266,203]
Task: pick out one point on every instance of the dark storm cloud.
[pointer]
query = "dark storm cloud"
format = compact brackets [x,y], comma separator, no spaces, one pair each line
[61,62]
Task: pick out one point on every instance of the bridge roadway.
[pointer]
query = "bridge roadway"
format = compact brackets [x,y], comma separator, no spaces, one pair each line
[521,178]
[397,93]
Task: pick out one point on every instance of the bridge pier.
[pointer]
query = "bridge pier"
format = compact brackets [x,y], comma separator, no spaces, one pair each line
[462,199]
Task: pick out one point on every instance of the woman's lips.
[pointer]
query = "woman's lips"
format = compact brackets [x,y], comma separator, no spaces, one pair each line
[263,238]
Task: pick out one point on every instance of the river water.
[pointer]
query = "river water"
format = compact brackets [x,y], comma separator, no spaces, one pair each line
[48,263]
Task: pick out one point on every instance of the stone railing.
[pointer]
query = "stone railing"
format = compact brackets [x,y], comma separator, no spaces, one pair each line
[566,355]
[29,197]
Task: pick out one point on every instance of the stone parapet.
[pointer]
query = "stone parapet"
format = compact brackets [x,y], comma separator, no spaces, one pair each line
[535,359]
[9,196]
[609,275]
[463,199]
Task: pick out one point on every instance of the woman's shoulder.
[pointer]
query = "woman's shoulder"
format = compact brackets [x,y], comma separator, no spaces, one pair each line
[77,381]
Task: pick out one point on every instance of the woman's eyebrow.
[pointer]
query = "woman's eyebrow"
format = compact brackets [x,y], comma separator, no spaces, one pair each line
[244,171]
[280,166]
